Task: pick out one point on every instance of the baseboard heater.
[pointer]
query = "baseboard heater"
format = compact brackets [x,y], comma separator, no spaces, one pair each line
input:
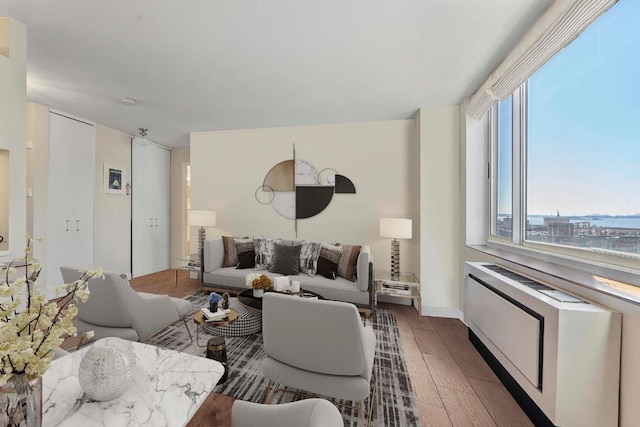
[558,354]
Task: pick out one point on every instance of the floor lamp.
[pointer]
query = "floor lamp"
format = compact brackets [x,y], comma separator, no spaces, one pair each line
[202,219]
[396,228]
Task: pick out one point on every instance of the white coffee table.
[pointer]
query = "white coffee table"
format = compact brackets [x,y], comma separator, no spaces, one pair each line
[167,389]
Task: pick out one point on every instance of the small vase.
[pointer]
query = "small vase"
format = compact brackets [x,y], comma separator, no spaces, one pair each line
[213,306]
[258,293]
[21,402]
[106,370]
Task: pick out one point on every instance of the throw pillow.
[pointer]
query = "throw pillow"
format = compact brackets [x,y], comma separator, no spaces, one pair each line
[348,264]
[230,258]
[329,259]
[264,252]
[309,254]
[286,259]
[245,253]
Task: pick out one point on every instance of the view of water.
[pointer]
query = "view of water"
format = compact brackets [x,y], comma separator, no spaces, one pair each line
[603,222]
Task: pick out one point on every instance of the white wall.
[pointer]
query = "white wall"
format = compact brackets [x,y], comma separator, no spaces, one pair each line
[380,158]
[4,199]
[111,212]
[179,158]
[13,128]
[439,207]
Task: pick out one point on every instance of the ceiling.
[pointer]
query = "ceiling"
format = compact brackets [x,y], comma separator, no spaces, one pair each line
[203,65]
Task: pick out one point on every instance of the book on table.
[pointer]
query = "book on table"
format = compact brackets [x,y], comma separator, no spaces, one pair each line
[396,288]
[213,317]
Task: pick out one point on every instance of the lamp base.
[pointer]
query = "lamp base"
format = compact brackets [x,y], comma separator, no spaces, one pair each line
[395,258]
[202,235]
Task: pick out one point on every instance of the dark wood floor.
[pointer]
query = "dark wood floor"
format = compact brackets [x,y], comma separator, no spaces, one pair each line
[452,383]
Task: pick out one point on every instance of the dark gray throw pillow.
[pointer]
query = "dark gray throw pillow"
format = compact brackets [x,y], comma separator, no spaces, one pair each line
[286,259]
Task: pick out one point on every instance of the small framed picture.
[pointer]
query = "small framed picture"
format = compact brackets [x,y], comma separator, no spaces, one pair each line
[114,179]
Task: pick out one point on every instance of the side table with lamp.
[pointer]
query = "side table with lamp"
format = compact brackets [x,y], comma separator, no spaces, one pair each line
[394,283]
[202,219]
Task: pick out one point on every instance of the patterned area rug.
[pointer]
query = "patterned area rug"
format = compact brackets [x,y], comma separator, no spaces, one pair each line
[394,402]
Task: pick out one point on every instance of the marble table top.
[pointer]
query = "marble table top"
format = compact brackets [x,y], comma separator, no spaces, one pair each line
[167,389]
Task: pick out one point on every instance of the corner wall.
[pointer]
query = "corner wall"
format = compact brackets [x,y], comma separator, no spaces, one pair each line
[179,158]
[438,128]
[13,127]
[111,212]
[380,158]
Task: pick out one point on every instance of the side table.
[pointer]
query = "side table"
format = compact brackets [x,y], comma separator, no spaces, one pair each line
[190,264]
[198,319]
[404,285]
[216,346]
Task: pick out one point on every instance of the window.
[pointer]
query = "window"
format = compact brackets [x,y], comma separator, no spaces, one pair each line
[504,177]
[578,155]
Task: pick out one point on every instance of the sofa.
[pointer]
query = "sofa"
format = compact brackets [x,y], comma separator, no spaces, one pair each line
[359,292]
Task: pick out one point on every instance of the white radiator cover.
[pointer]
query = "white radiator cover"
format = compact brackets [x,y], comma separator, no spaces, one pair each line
[565,356]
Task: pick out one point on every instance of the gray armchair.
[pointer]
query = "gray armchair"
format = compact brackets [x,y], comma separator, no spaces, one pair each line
[114,309]
[321,347]
[307,413]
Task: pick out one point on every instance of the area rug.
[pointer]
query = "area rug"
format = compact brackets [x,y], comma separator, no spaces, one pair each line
[394,404]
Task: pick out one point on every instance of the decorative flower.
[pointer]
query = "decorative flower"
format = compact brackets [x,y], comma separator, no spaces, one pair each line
[214,297]
[31,330]
[258,281]
[263,282]
[248,280]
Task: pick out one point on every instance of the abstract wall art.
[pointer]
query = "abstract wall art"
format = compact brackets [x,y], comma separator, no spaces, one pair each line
[297,190]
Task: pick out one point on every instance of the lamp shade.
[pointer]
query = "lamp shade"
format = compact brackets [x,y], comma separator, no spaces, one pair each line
[202,218]
[396,228]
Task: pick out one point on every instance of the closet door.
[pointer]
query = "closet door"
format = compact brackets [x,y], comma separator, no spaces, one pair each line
[161,214]
[69,234]
[151,179]
[60,199]
[82,207]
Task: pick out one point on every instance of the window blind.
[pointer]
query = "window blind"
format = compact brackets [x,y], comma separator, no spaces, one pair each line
[559,26]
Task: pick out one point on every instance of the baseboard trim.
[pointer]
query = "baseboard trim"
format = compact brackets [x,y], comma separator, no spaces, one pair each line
[453,313]
[535,414]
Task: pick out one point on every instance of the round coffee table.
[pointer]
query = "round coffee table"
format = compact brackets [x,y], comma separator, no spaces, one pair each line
[199,320]
[247,299]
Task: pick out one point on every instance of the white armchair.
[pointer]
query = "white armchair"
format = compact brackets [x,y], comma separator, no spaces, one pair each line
[318,346]
[114,309]
[303,413]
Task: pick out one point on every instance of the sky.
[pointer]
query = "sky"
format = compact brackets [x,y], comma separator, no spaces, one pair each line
[583,153]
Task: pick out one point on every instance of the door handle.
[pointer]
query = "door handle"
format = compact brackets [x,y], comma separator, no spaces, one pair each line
[150,222]
[156,222]
[77,225]
[66,226]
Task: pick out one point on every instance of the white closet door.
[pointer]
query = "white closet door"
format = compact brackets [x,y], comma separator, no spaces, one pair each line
[60,198]
[84,178]
[162,230]
[151,182]
[141,220]
[69,238]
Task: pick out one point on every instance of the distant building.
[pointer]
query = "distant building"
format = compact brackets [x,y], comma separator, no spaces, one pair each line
[558,226]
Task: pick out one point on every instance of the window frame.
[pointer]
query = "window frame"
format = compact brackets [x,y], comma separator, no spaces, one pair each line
[591,260]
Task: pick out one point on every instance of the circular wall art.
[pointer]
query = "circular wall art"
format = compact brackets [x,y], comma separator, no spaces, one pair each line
[296,190]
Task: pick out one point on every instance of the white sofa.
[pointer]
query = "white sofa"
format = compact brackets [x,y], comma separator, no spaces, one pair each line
[359,292]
